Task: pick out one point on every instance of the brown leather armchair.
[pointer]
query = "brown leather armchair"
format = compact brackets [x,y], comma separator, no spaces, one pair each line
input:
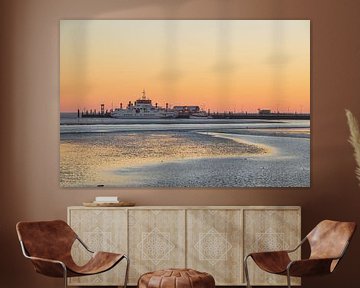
[48,245]
[328,242]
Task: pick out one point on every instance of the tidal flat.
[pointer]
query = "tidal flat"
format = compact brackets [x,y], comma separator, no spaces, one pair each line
[259,154]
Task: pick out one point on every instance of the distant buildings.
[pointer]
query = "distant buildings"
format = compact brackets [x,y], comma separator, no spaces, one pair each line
[190,109]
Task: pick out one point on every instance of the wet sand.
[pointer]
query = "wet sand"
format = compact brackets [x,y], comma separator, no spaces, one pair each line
[287,164]
[186,156]
[100,159]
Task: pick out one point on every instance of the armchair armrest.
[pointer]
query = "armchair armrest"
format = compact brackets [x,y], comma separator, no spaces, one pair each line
[83,244]
[309,267]
[271,261]
[298,246]
[279,252]
[49,267]
[314,266]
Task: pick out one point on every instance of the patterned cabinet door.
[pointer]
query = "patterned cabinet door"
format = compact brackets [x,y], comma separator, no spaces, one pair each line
[214,244]
[156,240]
[101,230]
[270,230]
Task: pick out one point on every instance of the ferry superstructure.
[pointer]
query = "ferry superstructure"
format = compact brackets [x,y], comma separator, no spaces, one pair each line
[143,109]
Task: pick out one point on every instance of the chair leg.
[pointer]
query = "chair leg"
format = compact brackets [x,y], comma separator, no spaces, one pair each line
[127,271]
[288,278]
[65,276]
[246,270]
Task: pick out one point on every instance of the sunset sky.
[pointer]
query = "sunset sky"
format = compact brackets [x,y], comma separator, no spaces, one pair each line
[221,65]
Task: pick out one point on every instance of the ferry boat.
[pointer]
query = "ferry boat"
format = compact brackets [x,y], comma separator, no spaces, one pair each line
[143,109]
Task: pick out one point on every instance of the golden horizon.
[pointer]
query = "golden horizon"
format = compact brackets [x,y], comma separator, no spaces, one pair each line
[221,65]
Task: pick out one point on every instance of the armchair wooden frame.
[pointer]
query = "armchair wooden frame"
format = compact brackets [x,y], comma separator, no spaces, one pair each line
[59,267]
[320,262]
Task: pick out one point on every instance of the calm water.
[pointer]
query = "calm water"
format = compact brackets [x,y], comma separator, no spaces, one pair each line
[184,153]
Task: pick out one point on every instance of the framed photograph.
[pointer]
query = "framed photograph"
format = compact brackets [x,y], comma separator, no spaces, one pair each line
[184,103]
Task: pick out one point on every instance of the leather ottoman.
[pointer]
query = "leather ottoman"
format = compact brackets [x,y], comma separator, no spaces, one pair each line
[176,278]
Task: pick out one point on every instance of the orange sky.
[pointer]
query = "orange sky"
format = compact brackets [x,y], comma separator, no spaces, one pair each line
[221,65]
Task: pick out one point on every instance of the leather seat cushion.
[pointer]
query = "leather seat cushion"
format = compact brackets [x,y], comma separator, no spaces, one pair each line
[176,278]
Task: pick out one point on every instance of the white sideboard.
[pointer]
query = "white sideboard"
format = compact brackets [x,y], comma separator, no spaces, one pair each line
[211,239]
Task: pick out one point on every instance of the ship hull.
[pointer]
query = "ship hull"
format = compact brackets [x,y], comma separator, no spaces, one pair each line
[143,116]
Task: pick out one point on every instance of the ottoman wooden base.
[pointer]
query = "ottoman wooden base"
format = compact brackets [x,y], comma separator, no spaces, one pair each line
[176,278]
